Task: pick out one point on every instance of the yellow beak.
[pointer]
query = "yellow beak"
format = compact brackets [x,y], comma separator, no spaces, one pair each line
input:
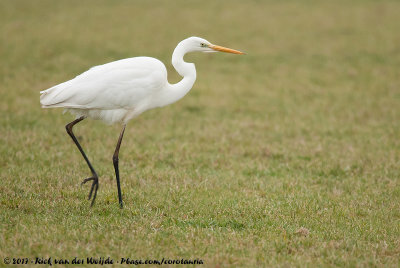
[225,49]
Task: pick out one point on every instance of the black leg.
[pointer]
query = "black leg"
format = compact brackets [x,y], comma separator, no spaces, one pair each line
[94,178]
[115,161]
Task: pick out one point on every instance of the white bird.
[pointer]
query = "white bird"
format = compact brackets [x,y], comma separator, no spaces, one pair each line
[118,91]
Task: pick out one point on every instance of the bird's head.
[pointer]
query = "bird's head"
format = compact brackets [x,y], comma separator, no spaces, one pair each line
[199,44]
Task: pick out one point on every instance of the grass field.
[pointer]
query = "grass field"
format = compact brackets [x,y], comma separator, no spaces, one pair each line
[288,156]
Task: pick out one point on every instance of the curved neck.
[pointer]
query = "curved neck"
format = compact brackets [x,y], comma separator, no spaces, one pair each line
[182,67]
[186,70]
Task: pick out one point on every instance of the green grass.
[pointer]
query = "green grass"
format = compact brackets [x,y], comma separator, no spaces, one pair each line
[302,132]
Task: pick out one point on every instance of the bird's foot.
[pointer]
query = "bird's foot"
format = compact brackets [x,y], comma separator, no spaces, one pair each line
[95,186]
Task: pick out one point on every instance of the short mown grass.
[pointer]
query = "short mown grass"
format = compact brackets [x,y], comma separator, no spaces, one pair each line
[288,156]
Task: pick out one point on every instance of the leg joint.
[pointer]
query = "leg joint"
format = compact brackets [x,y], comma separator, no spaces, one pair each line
[68,127]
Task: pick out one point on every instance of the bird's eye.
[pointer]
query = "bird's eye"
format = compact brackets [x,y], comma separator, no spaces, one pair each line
[203,45]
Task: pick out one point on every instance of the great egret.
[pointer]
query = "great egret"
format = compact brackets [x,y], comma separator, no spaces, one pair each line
[121,90]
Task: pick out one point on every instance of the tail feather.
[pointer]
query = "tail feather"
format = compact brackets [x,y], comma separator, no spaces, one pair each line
[50,97]
[46,97]
[53,98]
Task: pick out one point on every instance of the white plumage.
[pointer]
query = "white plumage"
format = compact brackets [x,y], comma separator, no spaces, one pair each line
[113,92]
[120,90]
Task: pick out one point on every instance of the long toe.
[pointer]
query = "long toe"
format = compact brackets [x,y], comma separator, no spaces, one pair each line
[93,188]
[95,194]
[89,179]
[95,185]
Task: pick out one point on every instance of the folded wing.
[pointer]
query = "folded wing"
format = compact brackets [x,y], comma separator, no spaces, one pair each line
[120,84]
